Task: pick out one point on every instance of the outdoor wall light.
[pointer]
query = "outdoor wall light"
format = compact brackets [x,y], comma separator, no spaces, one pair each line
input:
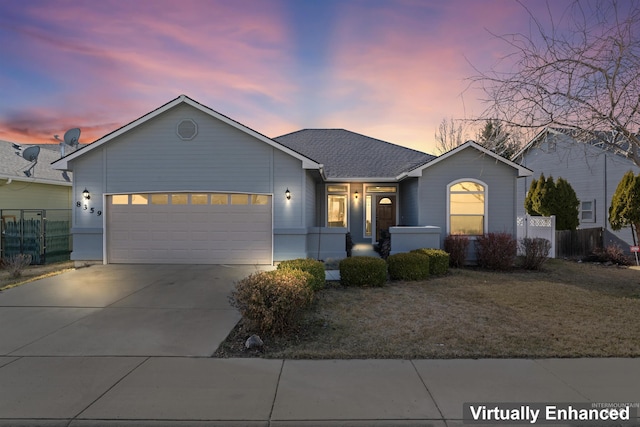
[356,195]
[86,194]
[287,194]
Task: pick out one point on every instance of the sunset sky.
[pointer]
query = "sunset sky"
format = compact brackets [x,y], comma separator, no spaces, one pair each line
[391,69]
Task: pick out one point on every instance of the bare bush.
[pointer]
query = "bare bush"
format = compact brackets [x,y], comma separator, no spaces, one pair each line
[15,264]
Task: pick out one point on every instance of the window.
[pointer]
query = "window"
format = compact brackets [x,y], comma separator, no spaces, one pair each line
[337,188]
[219,199]
[139,199]
[337,214]
[379,189]
[120,199]
[178,199]
[199,199]
[587,211]
[467,208]
[159,199]
[337,205]
[367,216]
[239,199]
[259,199]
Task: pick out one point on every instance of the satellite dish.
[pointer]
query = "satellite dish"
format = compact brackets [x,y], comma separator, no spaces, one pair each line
[31,155]
[72,136]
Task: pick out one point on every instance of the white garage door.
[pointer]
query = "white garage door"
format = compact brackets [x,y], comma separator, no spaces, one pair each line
[189,228]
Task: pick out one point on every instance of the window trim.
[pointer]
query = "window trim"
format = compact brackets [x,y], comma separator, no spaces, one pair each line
[486,204]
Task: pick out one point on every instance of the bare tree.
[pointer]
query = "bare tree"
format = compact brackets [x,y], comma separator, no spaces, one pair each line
[449,135]
[496,138]
[582,72]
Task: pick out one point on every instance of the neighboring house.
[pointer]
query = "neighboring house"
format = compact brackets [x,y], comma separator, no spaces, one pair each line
[186,184]
[26,200]
[592,169]
[46,188]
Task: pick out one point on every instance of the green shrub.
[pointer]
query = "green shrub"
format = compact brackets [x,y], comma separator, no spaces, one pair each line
[496,251]
[408,266]
[363,271]
[438,260]
[311,266]
[273,302]
[456,246]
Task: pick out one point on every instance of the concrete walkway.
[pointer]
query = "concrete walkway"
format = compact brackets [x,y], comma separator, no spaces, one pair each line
[127,346]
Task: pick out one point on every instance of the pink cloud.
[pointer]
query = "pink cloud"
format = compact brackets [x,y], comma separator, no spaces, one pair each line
[115,61]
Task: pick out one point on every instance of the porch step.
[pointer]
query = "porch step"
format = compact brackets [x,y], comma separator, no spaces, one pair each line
[364,249]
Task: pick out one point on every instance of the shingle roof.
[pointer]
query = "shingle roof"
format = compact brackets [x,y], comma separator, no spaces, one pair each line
[13,166]
[346,154]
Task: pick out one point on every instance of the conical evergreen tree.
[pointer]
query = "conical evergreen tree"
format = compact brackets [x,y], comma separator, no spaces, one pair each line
[546,198]
[625,204]
[567,204]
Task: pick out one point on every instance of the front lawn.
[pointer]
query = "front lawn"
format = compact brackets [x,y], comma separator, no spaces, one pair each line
[568,310]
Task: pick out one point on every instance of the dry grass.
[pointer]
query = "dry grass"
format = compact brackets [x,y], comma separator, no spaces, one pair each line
[567,310]
[32,273]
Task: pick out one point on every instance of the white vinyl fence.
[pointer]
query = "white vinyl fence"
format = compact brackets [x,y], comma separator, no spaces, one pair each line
[538,226]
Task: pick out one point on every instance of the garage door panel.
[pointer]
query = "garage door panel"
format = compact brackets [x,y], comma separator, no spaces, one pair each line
[190,234]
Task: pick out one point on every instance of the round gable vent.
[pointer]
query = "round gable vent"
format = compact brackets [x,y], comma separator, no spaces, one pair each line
[187,129]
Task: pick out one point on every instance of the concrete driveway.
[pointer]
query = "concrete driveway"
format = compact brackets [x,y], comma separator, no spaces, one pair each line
[121,310]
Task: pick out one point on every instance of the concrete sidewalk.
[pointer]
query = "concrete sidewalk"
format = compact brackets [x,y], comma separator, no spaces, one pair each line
[181,391]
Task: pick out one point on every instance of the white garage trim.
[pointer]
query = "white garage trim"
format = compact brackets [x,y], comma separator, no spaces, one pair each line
[188,227]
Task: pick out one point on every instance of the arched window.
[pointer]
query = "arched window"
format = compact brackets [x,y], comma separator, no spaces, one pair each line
[467,207]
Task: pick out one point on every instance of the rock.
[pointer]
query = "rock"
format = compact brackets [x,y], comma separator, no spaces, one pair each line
[253,341]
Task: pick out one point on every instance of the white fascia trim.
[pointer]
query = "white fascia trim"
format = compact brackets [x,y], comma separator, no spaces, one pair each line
[363,179]
[62,164]
[36,180]
[522,171]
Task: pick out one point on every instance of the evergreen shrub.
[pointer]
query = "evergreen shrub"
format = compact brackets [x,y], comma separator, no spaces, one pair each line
[363,271]
[408,266]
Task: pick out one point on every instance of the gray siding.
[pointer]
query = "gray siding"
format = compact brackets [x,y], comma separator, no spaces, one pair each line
[151,157]
[356,222]
[409,202]
[287,173]
[310,201]
[593,173]
[469,163]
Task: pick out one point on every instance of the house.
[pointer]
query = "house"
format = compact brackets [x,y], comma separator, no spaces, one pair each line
[186,184]
[593,170]
[31,193]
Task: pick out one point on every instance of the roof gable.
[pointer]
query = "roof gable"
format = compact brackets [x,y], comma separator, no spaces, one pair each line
[62,164]
[348,155]
[522,171]
[621,149]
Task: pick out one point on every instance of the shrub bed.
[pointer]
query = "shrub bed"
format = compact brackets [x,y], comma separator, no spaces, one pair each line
[408,266]
[363,271]
[313,267]
[273,302]
[456,246]
[438,260]
[496,251]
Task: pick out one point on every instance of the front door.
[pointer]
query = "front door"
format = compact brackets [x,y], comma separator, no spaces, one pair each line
[385,214]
